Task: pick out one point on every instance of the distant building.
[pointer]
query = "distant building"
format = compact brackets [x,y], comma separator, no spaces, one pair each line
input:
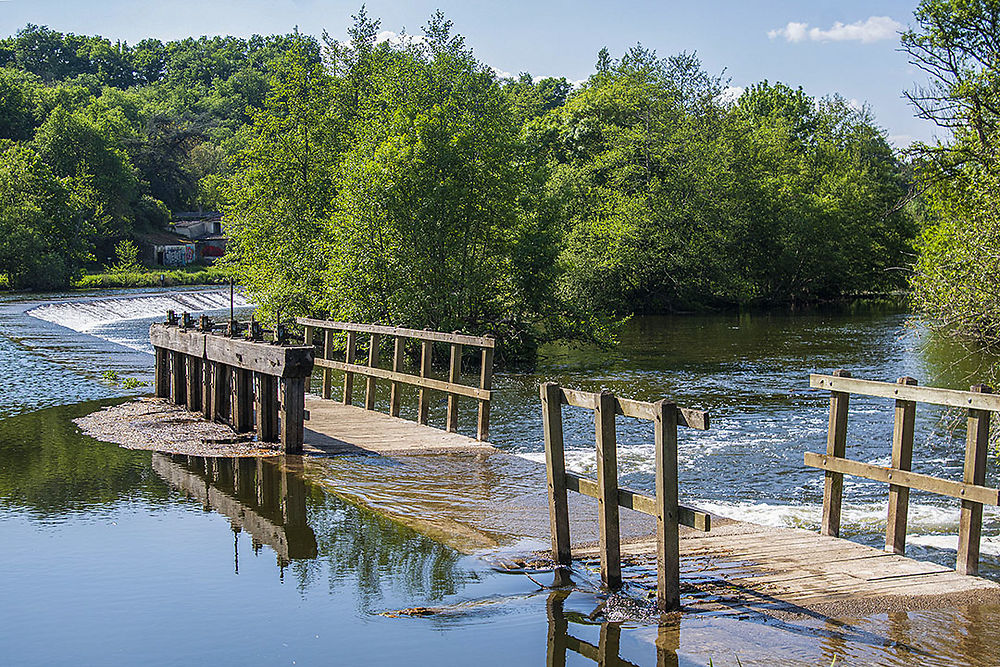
[204,230]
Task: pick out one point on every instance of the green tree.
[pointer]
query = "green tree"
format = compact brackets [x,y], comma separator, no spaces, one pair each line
[44,228]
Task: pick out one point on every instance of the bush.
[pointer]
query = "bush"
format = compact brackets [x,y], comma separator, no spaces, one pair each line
[207,276]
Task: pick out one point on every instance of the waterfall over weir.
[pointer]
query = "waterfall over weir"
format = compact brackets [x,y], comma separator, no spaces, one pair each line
[87,315]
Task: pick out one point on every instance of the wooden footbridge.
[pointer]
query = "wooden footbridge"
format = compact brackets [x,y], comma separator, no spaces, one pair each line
[694,560]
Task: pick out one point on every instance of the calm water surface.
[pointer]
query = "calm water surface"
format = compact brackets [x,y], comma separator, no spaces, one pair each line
[115,557]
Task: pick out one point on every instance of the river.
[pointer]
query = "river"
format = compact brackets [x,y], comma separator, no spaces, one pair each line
[119,562]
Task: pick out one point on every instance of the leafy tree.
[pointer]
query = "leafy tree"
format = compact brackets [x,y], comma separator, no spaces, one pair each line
[43,221]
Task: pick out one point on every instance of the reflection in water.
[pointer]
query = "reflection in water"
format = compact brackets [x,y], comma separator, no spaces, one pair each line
[607,650]
[258,495]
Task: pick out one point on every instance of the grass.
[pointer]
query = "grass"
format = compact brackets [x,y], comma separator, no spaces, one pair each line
[188,275]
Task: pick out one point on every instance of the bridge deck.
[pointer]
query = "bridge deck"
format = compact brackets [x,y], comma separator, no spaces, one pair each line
[335,428]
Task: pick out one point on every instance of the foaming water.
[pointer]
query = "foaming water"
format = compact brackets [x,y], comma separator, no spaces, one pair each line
[98,316]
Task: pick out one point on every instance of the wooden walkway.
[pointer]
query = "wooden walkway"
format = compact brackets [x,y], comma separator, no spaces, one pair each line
[740,567]
[737,567]
[335,428]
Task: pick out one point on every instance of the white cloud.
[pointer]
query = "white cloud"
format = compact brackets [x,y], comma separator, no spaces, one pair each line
[853,103]
[396,39]
[872,29]
[731,94]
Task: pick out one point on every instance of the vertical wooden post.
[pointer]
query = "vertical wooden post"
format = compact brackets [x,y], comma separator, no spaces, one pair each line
[221,381]
[372,363]
[609,644]
[397,366]
[977,442]
[836,445]
[349,355]
[293,405]
[242,400]
[266,407]
[555,655]
[454,375]
[423,397]
[902,459]
[607,486]
[162,373]
[485,382]
[193,376]
[668,561]
[555,469]
[327,354]
[206,388]
[177,384]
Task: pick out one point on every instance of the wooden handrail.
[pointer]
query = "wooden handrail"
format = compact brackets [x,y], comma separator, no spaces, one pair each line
[980,402]
[953,398]
[418,334]
[639,409]
[452,387]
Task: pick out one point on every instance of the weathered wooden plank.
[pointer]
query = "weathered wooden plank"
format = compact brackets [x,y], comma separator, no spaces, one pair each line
[293,397]
[634,500]
[668,594]
[395,391]
[193,376]
[327,353]
[276,360]
[607,491]
[419,334]
[406,378]
[373,358]
[242,400]
[977,443]
[177,382]
[186,341]
[349,355]
[836,445]
[934,395]
[454,375]
[698,419]
[555,469]
[266,406]
[206,389]
[161,370]
[945,487]
[423,397]
[902,459]
[486,383]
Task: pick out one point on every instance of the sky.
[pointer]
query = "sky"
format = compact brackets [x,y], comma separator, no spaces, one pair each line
[850,47]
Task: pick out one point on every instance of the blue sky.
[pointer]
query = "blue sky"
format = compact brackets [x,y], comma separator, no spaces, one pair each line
[849,47]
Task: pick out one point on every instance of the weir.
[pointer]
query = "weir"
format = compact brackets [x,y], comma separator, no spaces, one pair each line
[700,562]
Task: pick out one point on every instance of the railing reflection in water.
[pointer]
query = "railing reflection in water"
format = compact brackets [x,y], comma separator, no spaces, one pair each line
[607,650]
[264,497]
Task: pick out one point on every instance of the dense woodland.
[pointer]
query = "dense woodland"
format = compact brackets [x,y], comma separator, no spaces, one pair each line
[405,182]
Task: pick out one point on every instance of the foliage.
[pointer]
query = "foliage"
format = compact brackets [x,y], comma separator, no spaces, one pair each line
[392,187]
[127,254]
[674,200]
[212,275]
[958,44]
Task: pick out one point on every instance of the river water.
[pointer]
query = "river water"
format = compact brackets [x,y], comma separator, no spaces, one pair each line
[115,556]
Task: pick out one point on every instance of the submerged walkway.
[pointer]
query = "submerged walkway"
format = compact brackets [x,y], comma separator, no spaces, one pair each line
[736,567]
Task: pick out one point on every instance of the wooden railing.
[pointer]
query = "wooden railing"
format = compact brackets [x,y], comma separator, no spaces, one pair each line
[424,382]
[251,385]
[979,401]
[663,506]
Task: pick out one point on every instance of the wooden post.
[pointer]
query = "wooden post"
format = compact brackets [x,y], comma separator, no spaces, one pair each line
[397,366]
[485,382]
[977,442]
[668,561]
[607,485]
[609,644]
[206,388]
[266,407]
[454,375]
[162,372]
[555,469]
[221,381]
[372,363]
[423,397]
[193,377]
[555,655]
[293,405]
[349,355]
[177,378]
[327,354]
[836,445]
[242,400]
[902,459]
